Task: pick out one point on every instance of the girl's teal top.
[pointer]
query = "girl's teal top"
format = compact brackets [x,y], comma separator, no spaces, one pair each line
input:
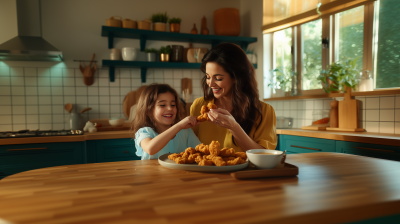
[184,139]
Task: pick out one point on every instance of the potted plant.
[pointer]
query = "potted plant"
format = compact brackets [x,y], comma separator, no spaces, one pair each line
[174,25]
[164,53]
[151,54]
[159,21]
[340,75]
[279,82]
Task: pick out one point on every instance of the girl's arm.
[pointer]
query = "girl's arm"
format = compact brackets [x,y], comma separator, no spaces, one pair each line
[154,145]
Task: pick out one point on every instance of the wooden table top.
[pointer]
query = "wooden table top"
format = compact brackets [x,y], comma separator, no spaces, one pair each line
[330,188]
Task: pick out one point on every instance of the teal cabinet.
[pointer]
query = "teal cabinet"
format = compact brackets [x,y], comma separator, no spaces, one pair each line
[370,150]
[19,158]
[297,144]
[111,150]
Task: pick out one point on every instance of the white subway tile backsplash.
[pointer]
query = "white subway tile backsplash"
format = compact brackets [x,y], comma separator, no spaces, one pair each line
[43,81]
[327,104]
[69,91]
[372,115]
[104,100]
[5,90]
[387,102]
[361,115]
[5,100]
[82,100]
[309,105]
[55,100]
[168,74]
[318,104]
[309,114]
[58,126]
[279,105]
[19,119]
[5,81]
[397,103]
[362,101]
[69,81]
[45,110]
[31,90]
[16,71]
[286,105]
[32,126]
[58,118]
[5,119]
[386,127]
[31,81]
[372,126]
[397,127]
[69,99]
[103,73]
[32,119]
[45,126]
[125,73]
[177,85]
[158,74]
[104,82]
[5,127]
[44,100]
[104,91]
[18,100]
[293,105]
[69,72]
[32,100]
[372,103]
[18,110]
[30,72]
[386,115]
[57,72]
[32,109]
[93,91]
[125,83]
[124,90]
[4,71]
[178,73]
[397,115]
[17,91]
[286,113]
[57,91]
[17,81]
[44,91]
[81,91]
[135,73]
[114,91]
[17,127]
[116,83]
[45,119]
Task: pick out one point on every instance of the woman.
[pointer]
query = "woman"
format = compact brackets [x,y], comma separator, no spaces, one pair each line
[241,121]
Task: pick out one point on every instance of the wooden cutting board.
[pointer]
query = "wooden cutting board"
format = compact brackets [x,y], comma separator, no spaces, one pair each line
[348,111]
[129,101]
[187,84]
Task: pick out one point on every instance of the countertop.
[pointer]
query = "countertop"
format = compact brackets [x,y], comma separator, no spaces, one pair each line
[365,137]
[330,188]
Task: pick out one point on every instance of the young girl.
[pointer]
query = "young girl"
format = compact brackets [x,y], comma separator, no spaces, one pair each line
[158,124]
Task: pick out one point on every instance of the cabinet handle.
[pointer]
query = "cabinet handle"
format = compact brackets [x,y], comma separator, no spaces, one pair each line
[123,151]
[381,150]
[127,151]
[26,149]
[304,147]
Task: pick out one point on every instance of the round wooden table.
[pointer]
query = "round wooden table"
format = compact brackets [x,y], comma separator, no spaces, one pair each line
[330,188]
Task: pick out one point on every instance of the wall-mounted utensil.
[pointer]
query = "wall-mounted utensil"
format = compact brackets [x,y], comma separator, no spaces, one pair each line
[88,72]
[85,109]
[68,107]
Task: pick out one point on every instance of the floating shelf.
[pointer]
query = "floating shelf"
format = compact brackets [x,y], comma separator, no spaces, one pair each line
[143,65]
[144,35]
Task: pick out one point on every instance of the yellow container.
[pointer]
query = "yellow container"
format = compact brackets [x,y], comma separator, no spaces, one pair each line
[164,57]
[127,23]
[143,25]
[114,22]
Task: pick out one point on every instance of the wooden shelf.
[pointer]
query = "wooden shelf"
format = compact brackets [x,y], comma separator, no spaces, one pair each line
[368,93]
[143,65]
[144,35]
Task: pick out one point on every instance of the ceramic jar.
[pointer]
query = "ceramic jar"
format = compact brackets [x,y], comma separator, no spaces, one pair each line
[129,53]
[115,54]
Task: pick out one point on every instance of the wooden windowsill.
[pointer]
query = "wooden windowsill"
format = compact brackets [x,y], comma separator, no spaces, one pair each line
[369,93]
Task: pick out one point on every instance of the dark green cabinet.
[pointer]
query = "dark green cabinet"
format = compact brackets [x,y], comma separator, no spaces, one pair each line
[19,158]
[111,150]
[297,144]
[370,150]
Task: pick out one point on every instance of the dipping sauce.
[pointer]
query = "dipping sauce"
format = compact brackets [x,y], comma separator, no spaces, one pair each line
[265,153]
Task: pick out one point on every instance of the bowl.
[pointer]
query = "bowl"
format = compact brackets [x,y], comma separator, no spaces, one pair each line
[129,53]
[116,122]
[262,160]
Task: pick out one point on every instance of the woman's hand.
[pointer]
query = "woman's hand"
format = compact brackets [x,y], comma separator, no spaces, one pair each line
[222,118]
[188,122]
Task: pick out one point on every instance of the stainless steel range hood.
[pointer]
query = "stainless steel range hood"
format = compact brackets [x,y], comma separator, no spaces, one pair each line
[29,44]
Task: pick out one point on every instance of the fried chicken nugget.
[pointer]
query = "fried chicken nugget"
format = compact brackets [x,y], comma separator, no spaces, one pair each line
[198,159]
[181,160]
[218,161]
[205,162]
[226,159]
[208,157]
[241,155]
[201,118]
[211,106]
[174,156]
[204,110]
[214,148]
[186,155]
[235,161]
[227,152]
[204,149]
[192,158]
[190,150]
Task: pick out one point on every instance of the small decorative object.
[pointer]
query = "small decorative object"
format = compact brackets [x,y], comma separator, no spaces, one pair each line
[279,82]
[115,54]
[366,82]
[129,53]
[114,21]
[177,53]
[334,114]
[159,21]
[185,50]
[174,25]
[194,29]
[204,29]
[195,55]
[339,75]
[144,24]
[164,53]
[227,22]
[76,121]
[127,23]
[116,121]
[89,127]
[251,56]
[151,54]
[88,72]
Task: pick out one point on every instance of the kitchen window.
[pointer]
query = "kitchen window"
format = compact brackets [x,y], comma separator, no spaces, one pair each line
[367,30]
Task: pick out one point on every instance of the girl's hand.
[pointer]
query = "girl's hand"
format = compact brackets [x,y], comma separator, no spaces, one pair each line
[188,122]
[222,118]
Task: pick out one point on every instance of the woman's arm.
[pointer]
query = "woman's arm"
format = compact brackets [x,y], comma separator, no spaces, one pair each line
[224,119]
[154,145]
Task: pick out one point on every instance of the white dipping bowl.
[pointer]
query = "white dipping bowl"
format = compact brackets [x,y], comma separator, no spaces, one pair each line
[129,53]
[264,161]
[117,122]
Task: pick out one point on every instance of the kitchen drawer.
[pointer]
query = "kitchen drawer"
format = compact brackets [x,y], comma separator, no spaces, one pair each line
[370,150]
[18,158]
[111,150]
[297,144]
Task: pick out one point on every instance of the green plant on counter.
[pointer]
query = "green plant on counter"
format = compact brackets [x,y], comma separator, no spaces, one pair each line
[159,18]
[175,20]
[165,50]
[341,74]
[279,80]
[151,50]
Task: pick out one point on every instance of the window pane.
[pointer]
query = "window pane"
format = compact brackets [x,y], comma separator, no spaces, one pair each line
[311,38]
[282,53]
[349,35]
[388,47]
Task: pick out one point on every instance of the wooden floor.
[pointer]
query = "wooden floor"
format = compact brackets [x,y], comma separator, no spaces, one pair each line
[330,188]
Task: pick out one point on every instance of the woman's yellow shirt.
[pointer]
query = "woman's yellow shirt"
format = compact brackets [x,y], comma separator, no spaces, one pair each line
[264,135]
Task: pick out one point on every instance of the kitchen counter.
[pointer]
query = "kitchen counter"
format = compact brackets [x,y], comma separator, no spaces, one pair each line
[75,138]
[364,137]
[330,188]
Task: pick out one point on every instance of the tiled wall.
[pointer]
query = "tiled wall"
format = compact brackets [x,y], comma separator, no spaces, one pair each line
[34,98]
[377,113]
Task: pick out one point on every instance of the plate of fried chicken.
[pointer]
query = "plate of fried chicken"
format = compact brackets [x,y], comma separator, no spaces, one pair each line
[206,158]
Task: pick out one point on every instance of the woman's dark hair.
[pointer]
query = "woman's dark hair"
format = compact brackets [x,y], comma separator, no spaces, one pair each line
[245,99]
[146,104]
